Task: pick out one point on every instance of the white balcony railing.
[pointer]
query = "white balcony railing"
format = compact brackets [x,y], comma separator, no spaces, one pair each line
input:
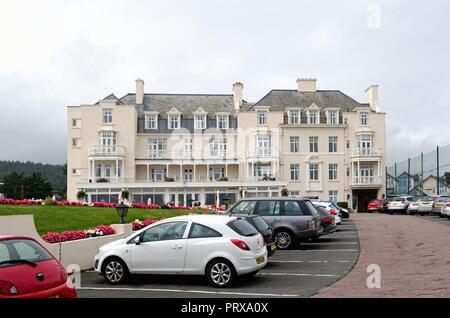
[367,152]
[262,153]
[101,150]
[366,181]
[192,155]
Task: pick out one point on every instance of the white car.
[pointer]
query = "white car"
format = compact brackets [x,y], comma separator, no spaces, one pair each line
[328,206]
[217,246]
[445,211]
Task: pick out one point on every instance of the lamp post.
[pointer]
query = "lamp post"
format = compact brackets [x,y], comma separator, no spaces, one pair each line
[122,211]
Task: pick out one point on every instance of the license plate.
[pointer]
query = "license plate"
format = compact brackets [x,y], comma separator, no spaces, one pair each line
[273,247]
[260,260]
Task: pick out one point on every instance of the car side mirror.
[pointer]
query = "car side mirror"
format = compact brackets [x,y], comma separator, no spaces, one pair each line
[137,240]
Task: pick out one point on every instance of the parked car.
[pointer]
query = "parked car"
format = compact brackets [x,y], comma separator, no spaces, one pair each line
[386,202]
[266,231]
[28,270]
[439,204]
[293,220]
[221,247]
[400,204]
[328,220]
[413,207]
[445,211]
[331,208]
[375,205]
[426,205]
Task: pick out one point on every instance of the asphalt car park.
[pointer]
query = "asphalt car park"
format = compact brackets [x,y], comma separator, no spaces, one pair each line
[435,218]
[299,272]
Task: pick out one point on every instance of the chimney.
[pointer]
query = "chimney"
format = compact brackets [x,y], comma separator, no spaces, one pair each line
[372,98]
[237,95]
[139,91]
[306,85]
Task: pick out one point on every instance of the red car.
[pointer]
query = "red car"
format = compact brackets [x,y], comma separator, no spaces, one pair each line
[375,205]
[28,270]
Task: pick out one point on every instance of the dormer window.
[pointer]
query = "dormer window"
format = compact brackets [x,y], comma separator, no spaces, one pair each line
[262,117]
[174,121]
[294,116]
[200,121]
[223,121]
[332,117]
[364,118]
[313,117]
[151,121]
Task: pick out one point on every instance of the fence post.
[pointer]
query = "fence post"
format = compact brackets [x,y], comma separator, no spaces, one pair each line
[421,172]
[437,170]
[409,174]
[395,180]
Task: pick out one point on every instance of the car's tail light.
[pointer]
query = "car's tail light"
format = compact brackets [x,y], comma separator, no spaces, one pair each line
[7,288]
[448,205]
[241,244]
[333,212]
[326,220]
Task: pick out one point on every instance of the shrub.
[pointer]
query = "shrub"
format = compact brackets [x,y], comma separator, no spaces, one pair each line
[125,193]
[284,192]
[81,195]
[343,205]
[48,201]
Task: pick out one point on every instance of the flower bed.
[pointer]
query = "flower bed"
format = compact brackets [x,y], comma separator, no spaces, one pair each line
[21,202]
[103,205]
[54,237]
[145,206]
[137,225]
[68,203]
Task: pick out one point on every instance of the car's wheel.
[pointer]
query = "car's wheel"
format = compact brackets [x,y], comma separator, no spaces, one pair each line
[115,271]
[284,239]
[391,212]
[422,213]
[220,273]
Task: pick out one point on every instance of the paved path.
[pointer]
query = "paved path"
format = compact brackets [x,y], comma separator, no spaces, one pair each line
[413,254]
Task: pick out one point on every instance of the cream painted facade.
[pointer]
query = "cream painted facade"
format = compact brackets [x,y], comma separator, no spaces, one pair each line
[315,143]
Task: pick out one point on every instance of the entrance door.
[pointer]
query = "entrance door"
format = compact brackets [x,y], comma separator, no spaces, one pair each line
[361,199]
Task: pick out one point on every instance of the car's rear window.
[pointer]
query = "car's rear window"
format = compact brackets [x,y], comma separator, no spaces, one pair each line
[323,212]
[21,250]
[260,224]
[308,208]
[242,227]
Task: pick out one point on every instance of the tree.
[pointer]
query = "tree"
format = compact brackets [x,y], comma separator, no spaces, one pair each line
[447,178]
[14,185]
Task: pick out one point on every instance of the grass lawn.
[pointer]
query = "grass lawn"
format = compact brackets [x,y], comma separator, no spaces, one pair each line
[64,218]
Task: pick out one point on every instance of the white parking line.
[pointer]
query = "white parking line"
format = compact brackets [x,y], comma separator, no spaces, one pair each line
[310,261]
[343,243]
[298,274]
[342,236]
[186,291]
[349,250]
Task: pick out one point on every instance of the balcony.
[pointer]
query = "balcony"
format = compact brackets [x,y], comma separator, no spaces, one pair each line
[106,151]
[181,155]
[367,153]
[367,182]
[262,155]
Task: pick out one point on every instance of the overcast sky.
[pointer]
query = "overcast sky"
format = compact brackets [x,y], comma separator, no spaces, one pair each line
[59,53]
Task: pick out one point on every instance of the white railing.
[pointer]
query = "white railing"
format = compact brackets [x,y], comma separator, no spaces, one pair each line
[367,152]
[262,153]
[192,155]
[101,150]
[114,180]
[362,181]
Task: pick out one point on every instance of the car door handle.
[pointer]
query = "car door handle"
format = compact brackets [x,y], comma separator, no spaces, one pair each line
[177,247]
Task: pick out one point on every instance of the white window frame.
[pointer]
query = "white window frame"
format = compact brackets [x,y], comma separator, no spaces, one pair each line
[107,115]
[316,117]
[76,142]
[222,121]
[188,147]
[157,147]
[294,120]
[332,117]
[333,172]
[199,121]
[151,121]
[332,144]
[76,172]
[333,195]
[313,144]
[216,173]
[294,144]
[262,117]
[295,172]
[263,143]
[262,170]
[76,122]
[218,146]
[364,118]
[159,174]
[173,121]
[314,172]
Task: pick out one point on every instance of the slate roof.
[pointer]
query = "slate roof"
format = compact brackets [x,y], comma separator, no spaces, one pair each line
[279,100]
[187,104]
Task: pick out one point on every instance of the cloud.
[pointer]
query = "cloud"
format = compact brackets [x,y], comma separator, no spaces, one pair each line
[58,53]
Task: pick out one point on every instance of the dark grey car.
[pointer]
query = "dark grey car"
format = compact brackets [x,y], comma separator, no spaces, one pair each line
[292,219]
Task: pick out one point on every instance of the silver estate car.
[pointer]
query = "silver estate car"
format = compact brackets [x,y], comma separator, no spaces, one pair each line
[293,220]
